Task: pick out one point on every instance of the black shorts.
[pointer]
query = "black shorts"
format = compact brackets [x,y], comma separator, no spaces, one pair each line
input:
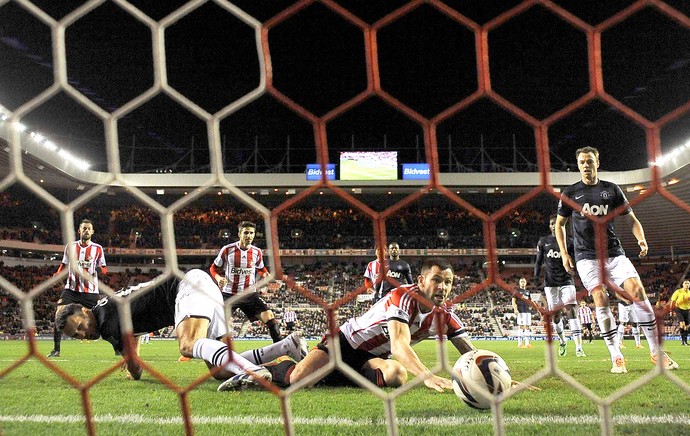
[683,315]
[252,305]
[86,300]
[351,356]
[587,325]
[290,325]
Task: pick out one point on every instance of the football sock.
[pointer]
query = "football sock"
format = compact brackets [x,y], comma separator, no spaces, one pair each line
[57,337]
[559,330]
[576,330]
[268,353]
[273,330]
[621,333]
[374,375]
[636,334]
[217,353]
[645,316]
[280,371]
[684,335]
[609,332]
[525,334]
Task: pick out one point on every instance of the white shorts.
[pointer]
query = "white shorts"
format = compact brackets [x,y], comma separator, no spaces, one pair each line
[619,269]
[524,318]
[626,314]
[560,295]
[198,296]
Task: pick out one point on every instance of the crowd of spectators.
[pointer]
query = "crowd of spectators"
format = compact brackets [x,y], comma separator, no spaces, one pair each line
[485,312]
[214,224]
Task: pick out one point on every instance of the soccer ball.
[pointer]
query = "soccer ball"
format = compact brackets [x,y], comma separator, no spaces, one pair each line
[478,376]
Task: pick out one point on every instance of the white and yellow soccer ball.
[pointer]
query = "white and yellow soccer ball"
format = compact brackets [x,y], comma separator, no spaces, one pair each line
[478,376]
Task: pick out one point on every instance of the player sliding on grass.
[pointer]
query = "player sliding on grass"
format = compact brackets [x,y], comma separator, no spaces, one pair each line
[195,307]
[404,317]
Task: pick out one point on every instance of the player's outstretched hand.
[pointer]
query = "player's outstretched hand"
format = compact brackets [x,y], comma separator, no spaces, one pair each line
[437,383]
[643,247]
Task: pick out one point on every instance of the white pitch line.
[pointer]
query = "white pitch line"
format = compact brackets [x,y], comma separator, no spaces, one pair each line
[426,421]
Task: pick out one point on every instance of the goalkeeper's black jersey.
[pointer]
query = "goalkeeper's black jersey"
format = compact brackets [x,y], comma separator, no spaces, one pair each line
[150,312]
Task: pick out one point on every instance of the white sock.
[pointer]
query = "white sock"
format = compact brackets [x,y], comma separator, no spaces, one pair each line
[520,333]
[269,352]
[559,330]
[636,334]
[576,329]
[526,335]
[621,333]
[609,333]
[647,321]
[217,353]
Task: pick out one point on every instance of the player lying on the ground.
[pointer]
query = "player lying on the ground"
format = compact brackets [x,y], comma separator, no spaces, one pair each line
[389,329]
[195,307]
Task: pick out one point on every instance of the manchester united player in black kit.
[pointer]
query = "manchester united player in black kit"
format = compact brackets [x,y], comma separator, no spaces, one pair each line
[598,198]
[195,307]
[559,288]
[397,269]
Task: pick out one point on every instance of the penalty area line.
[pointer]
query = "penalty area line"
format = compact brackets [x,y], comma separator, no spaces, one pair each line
[422,421]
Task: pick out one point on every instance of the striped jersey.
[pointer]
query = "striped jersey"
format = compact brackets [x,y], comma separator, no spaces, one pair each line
[585,315]
[89,258]
[289,316]
[240,266]
[369,332]
[372,271]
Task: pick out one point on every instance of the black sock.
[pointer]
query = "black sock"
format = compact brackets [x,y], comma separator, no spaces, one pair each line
[57,337]
[281,372]
[273,330]
[684,335]
[375,376]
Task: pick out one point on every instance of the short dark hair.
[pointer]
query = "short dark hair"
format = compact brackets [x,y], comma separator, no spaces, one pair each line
[587,149]
[435,261]
[69,310]
[85,221]
[553,216]
[244,224]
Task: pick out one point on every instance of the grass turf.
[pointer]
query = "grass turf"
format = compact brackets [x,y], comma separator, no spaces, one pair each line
[36,401]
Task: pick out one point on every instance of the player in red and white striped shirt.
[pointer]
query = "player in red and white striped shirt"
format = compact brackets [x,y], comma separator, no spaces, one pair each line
[235,269]
[371,274]
[390,328]
[90,258]
[584,313]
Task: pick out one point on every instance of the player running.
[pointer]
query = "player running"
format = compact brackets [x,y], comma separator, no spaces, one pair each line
[559,289]
[597,198]
[235,269]
[194,306]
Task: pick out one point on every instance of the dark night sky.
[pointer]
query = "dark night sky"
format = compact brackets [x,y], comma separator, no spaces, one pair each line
[427,61]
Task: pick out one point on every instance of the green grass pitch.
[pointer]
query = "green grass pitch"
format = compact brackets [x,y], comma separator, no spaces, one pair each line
[36,401]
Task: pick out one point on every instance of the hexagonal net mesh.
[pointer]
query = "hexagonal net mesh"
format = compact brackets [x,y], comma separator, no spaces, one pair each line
[429,125]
